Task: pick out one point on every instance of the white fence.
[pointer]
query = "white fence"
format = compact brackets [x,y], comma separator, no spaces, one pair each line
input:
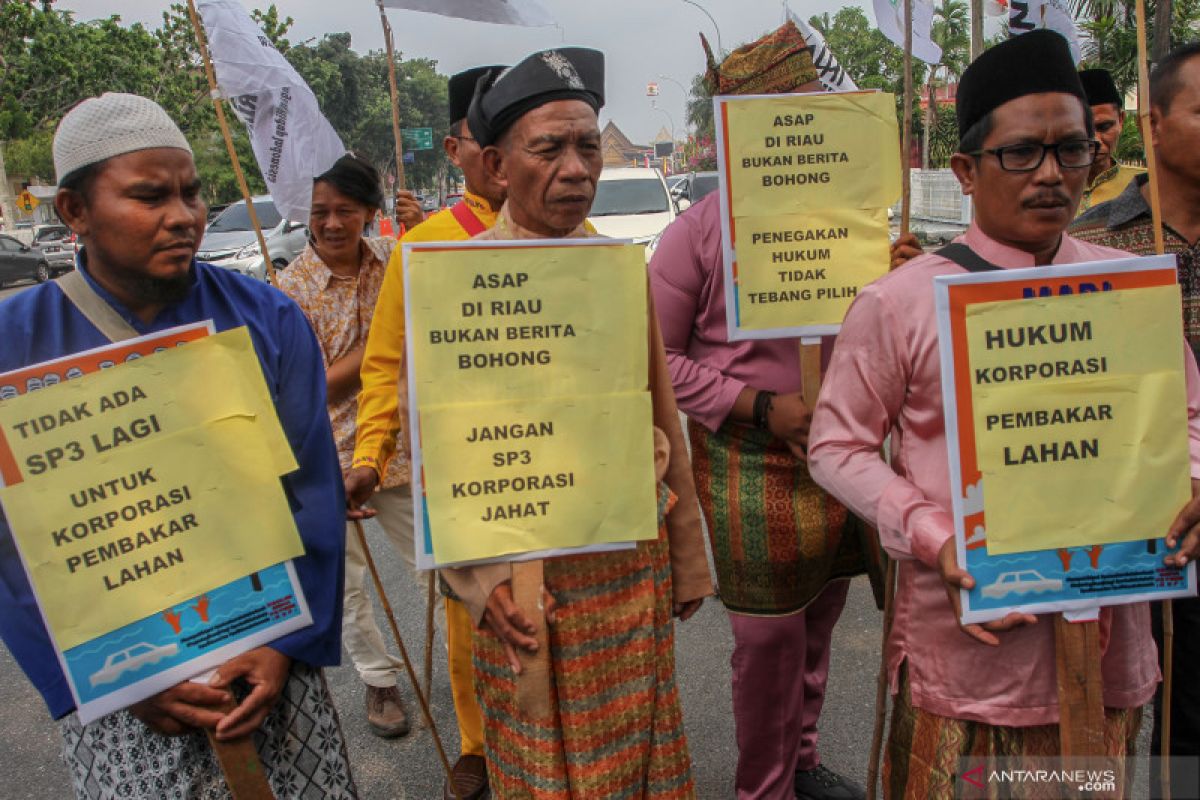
[937,197]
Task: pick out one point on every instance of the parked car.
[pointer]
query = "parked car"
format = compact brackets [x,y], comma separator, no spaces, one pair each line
[632,203]
[692,187]
[19,262]
[452,200]
[57,243]
[430,203]
[230,241]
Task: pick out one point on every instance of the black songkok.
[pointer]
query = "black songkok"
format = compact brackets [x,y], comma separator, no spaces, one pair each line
[462,89]
[1032,63]
[1100,88]
[567,73]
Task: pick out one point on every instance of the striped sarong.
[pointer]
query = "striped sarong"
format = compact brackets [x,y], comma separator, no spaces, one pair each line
[618,728]
[923,749]
[777,537]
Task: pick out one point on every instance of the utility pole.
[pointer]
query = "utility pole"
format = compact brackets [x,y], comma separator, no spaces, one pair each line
[976,28]
[7,205]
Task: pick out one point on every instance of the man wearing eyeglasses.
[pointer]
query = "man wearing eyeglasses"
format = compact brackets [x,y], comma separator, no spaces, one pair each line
[1025,148]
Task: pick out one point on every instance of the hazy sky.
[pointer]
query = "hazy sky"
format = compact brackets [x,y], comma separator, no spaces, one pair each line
[641,39]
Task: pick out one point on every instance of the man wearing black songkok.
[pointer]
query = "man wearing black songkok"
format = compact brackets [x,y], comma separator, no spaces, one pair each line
[1107,178]
[616,729]
[1025,146]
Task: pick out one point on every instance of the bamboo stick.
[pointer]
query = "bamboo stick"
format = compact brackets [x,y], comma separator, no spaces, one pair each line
[395,93]
[215,92]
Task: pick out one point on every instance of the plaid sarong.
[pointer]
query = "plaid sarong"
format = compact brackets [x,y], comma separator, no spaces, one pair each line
[923,749]
[777,537]
[618,728]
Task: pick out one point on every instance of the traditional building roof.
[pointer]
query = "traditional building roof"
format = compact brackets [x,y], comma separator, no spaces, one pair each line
[618,150]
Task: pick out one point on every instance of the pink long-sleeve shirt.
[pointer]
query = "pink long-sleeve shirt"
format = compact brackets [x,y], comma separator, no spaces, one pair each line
[885,377]
[688,283]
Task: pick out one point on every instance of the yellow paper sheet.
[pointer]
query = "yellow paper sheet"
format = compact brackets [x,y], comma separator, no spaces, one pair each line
[1079,404]
[147,526]
[536,475]
[799,153]
[505,323]
[807,270]
[78,421]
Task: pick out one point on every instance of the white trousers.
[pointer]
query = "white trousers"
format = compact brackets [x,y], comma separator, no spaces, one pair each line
[360,633]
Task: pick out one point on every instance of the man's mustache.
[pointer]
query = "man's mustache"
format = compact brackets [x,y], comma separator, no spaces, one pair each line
[1047,199]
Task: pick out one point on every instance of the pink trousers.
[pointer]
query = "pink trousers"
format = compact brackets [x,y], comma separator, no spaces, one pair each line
[780,665]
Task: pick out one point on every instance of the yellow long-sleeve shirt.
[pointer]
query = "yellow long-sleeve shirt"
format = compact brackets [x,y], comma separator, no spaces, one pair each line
[379,404]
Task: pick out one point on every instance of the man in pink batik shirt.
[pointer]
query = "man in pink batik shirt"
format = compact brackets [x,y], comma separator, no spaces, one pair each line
[979,688]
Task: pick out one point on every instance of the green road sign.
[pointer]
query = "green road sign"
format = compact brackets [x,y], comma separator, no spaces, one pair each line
[417,138]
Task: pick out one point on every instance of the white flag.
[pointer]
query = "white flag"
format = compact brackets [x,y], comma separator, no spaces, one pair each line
[829,71]
[530,13]
[889,16]
[1029,15]
[292,140]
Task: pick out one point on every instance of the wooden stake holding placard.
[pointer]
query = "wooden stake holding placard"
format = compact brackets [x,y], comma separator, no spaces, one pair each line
[533,684]
[906,134]
[1080,687]
[241,766]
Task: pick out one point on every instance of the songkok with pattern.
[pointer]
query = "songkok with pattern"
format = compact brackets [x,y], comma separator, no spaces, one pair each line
[566,73]
[777,63]
[112,124]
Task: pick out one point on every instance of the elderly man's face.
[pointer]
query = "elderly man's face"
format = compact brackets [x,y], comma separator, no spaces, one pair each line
[550,162]
[141,221]
[1027,210]
[466,154]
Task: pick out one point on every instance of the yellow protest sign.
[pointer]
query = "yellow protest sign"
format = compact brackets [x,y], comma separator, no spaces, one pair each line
[529,382]
[501,323]
[79,420]
[1073,397]
[812,266]
[535,475]
[809,152]
[141,528]
[807,179]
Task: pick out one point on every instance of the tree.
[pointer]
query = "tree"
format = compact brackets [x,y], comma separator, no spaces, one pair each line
[51,62]
[700,108]
[951,32]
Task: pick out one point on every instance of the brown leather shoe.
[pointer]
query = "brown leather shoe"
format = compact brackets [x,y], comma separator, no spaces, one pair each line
[385,712]
[471,778]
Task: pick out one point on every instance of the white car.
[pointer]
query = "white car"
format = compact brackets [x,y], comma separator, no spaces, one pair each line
[632,203]
[1024,582]
[129,659]
[230,241]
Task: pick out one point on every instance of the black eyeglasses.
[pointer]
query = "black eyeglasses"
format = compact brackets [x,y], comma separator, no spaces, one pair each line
[1071,154]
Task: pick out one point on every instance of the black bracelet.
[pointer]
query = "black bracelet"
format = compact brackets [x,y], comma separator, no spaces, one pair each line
[762,406]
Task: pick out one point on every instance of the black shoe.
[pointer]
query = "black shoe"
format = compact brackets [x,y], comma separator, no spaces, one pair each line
[821,783]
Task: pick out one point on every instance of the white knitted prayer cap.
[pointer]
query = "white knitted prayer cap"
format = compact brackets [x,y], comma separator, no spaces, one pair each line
[111,125]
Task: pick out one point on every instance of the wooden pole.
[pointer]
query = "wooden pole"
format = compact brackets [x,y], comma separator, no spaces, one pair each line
[1160,248]
[215,92]
[906,134]
[881,683]
[430,602]
[976,28]
[1080,687]
[412,674]
[243,771]
[391,59]
[533,684]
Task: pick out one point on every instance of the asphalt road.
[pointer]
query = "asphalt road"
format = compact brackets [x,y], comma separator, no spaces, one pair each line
[408,768]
